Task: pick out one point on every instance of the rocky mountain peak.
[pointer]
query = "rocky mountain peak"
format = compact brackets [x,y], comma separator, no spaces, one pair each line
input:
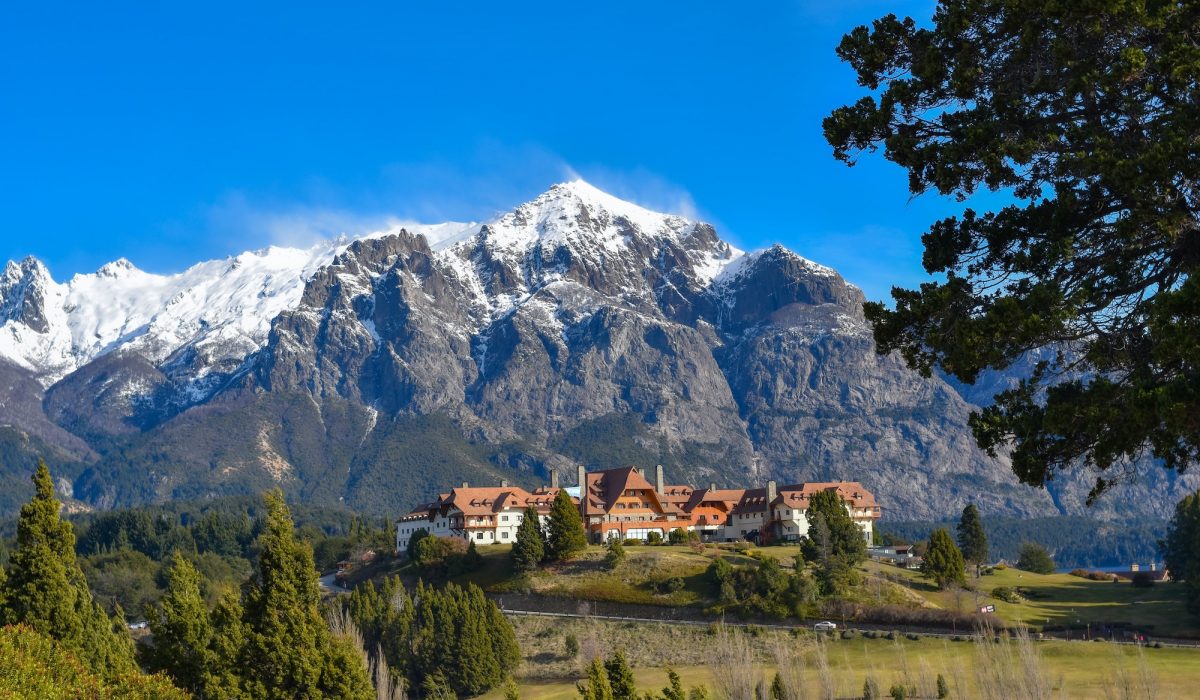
[117,268]
[23,289]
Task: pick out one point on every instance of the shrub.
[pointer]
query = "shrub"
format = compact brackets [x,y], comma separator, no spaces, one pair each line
[654,538]
[674,584]
[1007,594]
[571,644]
[1093,575]
[847,634]
[616,554]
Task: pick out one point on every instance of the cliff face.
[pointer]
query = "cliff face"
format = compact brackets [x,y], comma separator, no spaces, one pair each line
[576,328]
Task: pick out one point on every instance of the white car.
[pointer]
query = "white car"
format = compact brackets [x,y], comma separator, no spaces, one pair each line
[825,626]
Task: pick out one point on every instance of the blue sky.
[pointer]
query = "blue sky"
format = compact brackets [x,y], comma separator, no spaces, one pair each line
[169,133]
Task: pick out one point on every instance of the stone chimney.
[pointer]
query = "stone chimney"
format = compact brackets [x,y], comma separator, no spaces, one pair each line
[466,485]
[658,478]
[553,478]
[772,491]
[712,486]
[504,483]
[1153,566]
[1133,567]
[581,479]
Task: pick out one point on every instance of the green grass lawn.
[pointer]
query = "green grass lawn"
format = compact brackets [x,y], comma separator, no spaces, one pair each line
[1062,599]
[1072,669]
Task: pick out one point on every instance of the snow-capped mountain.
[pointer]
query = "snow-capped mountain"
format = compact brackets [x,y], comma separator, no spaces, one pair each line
[218,311]
[374,369]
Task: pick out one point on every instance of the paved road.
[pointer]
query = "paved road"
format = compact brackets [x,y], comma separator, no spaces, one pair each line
[329,584]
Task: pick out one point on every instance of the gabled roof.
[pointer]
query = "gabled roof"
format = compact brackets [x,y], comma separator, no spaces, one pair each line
[486,500]
[725,497]
[798,495]
[605,487]
[752,501]
[851,492]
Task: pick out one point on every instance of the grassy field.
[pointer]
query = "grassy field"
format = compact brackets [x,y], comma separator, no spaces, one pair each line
[1062,599]
[640,580]
[1069,669]
[1053,600]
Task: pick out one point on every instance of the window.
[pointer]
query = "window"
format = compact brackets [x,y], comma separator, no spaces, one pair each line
[504,535]
[503,518]
[479,535]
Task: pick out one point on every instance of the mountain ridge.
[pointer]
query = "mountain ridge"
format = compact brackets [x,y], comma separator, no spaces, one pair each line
[575,327]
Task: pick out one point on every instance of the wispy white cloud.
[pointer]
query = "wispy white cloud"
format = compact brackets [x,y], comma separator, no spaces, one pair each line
[238,218]
[494,180]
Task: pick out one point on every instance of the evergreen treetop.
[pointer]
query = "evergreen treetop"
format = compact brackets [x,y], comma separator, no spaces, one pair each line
[46,590]
[290,651]
[565,537]
[972,540]
[943,561]
[529,549]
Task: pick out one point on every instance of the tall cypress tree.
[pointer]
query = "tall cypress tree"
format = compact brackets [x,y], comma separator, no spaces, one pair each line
[972,540]
[290,652]
[530,547]
[566,537]
[188,646]
[46,589]
[181,628]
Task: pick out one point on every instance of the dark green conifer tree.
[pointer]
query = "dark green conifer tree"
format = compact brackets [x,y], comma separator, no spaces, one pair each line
[565,537]
[596,687]
[1181,549]
[290,651]
[46,590]
[530,548]
[972,540]
[183,635]
[620,677]
[943,562]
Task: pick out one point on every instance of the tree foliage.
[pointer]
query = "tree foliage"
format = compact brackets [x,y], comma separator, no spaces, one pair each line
[615,556]
[33,665]
[198,649]
[1085,115]
[452,638]
[943,562]
[1034,557]
[596,685]
[972,540]
[45,588]
[1181,549]
[565,537]
[289,650]
[529,549]
[620,677]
